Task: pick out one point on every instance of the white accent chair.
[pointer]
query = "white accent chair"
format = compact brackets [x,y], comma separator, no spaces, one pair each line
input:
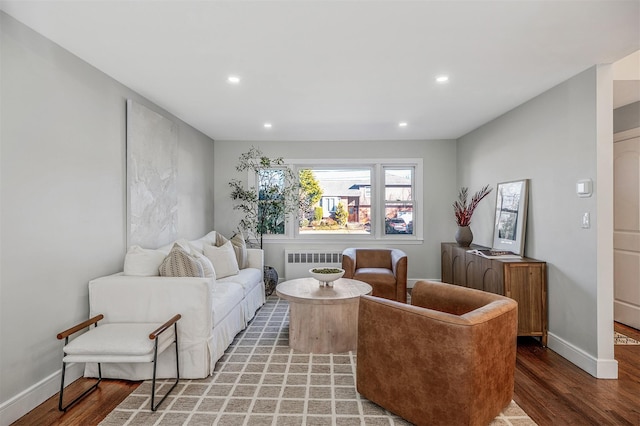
[117,343]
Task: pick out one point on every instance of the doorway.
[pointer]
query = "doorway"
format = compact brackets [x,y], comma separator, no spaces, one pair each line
[626,223]
[626,193]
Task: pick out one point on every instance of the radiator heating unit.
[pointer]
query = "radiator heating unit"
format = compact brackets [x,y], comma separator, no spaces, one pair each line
[298,262]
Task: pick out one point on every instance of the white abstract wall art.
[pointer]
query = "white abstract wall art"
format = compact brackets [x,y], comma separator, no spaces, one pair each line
[152,195]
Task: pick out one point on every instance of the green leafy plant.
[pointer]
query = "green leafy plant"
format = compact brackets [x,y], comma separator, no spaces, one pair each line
[341,214]
[266,205]
[464,211]
[310,194]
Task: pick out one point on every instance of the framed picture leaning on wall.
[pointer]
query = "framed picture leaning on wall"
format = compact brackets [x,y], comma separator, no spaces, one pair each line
[511,216]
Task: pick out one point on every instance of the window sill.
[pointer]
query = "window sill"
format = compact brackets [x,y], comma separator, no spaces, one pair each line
[332,240]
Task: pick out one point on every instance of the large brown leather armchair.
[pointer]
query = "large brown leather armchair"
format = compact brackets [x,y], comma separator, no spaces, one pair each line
[384,269]
[446,359]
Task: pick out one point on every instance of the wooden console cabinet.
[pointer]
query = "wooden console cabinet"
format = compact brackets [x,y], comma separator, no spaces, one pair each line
[524,280]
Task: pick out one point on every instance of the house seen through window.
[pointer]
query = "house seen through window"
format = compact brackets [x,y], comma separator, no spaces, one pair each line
[343,204]
[372,200]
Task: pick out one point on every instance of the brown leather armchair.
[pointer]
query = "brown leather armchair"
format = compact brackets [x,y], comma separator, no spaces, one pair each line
[446,359]
[384,269]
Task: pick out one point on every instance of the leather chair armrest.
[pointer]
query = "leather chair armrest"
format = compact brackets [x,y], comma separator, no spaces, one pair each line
[399,267]
[450,298]
[349,262]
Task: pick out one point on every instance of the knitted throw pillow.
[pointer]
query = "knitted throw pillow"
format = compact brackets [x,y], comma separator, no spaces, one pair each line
[179,263]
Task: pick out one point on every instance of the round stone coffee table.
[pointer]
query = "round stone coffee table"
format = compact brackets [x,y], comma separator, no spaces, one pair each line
[323,319]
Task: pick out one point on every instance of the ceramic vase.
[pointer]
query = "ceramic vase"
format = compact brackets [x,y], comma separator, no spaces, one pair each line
[464,236]
[270,279]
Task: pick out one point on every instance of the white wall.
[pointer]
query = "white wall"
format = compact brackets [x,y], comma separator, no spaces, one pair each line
[551,140]
[63,202]
[439,161]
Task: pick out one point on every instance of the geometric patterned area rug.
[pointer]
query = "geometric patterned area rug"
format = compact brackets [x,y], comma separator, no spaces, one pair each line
[621,339]
[261,381]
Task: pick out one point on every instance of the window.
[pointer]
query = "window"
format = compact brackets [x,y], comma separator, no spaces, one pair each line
[337,202]
[271,208]
[398,204]
[367,199]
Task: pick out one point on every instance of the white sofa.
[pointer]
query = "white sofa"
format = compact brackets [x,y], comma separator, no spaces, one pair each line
[213,312]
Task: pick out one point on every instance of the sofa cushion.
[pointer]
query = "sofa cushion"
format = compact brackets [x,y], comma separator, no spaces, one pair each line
[248,278]
[223,259]
[375,275]
[143,262]
[224,297]
[179,263]
[117,340]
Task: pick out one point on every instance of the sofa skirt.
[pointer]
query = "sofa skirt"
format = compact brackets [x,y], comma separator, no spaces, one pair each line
[253,301]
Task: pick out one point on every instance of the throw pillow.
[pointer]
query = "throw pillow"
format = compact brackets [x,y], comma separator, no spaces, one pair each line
[220,240]
[239,247]
[207,266]
[210,238]
[223,259]
[142,262]
[184,243]
[196,246]
[179,263]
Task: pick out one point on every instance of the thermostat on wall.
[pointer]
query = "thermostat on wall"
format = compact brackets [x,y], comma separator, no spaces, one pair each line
[584,188]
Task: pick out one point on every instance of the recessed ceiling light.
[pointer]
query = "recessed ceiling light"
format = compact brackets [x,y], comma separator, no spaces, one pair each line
[442,78]
[268,125]
[233,79]
[402,124]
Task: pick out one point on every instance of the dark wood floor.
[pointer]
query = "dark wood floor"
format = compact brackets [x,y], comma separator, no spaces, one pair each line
[553,391]
[548,387]
[89,411]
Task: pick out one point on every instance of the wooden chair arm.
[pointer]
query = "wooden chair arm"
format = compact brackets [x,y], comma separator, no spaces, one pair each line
[164,326]
[79,327]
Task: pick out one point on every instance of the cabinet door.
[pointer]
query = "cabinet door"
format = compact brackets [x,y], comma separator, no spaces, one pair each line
[446,264]
[492,278]
[482,276]
[526,284]
[458,268]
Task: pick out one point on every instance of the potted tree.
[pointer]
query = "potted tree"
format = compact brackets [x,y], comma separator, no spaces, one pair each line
[265,205]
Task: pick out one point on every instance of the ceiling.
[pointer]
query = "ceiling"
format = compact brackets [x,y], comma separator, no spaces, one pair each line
[338,70]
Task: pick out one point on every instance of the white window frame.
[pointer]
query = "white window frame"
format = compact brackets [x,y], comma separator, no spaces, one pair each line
[252,181]
[378,202]
[385,202]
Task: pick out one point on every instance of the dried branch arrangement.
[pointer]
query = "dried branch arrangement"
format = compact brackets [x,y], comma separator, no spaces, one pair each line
[464,211]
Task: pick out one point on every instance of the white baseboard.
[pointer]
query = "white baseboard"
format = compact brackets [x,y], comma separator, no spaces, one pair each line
[598,368]
[16,407]
[626,313]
